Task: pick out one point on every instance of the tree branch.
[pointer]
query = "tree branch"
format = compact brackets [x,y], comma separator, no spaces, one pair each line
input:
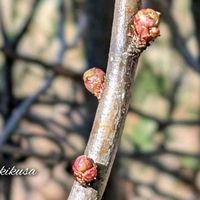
[113,107]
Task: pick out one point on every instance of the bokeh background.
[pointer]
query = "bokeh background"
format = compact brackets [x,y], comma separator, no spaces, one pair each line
[46,114]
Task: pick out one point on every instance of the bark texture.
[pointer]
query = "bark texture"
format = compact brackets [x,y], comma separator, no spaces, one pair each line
[113,106]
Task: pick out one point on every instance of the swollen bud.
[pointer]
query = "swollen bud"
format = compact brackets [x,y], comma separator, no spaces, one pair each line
[85,170]
[94,81]
[145,24]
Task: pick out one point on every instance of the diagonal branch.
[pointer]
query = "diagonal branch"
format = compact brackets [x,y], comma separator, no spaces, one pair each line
[20,112]
[113,107]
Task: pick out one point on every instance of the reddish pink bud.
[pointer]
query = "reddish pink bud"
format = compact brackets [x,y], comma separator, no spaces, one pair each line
[94,81]
[145,23]
[85,170]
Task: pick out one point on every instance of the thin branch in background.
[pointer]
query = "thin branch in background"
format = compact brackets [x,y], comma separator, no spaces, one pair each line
[55,138]
[167,122]
[159,152]
[22,109]
[195,6]
[47,124]
[172,97]
[7,97]
[54,101]
[174,173]
[7,100]
[97,36]
[26,24]
[172,105]
[57,68]
[61,31]
[19,152]
[2,26]
[80,29]
[177,39]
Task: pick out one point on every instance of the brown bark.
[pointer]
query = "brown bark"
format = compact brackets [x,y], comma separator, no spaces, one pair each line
[113,107]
